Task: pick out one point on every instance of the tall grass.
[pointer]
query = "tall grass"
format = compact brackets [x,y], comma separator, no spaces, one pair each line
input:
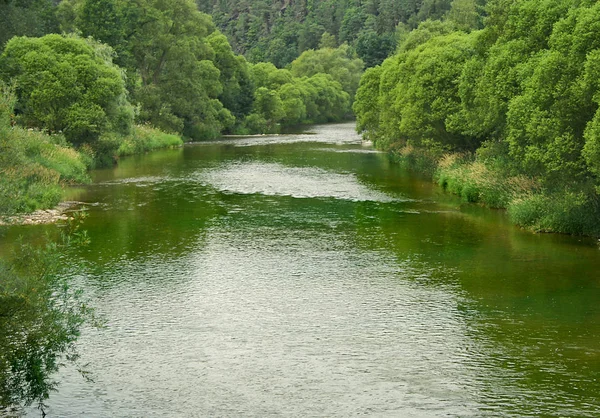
[145,138]
[34,167]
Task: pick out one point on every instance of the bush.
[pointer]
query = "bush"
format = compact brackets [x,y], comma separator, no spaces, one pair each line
[67,84]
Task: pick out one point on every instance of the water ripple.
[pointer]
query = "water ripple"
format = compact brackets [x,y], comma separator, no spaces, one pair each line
[300,182]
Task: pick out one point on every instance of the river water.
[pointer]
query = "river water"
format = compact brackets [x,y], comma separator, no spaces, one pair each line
[307,276]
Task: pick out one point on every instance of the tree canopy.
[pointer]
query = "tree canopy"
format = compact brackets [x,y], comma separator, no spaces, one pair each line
[68,85]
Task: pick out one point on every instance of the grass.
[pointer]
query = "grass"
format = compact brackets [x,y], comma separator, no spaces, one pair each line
[34,167]
[145,139]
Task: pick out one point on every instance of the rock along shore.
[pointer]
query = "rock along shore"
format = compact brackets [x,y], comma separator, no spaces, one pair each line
[42,216]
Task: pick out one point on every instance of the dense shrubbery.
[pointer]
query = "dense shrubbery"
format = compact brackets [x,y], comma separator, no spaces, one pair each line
[67,85]
[179,71]
[160,63]
[522,92]
[283,99]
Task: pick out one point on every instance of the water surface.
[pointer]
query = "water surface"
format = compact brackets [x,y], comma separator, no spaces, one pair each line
[306,275]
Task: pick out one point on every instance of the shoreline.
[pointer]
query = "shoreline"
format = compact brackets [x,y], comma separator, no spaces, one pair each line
[42,216]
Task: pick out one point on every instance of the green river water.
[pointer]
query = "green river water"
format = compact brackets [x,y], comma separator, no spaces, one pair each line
[307,276]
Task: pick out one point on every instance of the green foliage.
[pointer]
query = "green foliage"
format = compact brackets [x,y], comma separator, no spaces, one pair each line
[567,211]
[283,99]
[238,89]
[523,91]
[41,317]
[366,105]
[341,64]
[33,165]
[373,48]
[179,63]
[27,18]
[33,168]
[145,138]
[278,32]
[66,84]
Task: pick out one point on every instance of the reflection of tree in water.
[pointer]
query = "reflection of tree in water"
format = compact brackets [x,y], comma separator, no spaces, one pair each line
[41,316]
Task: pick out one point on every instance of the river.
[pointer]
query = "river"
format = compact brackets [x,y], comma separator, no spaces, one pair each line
[307,276]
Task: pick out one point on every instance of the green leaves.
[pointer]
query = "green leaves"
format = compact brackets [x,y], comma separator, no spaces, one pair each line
[66,84]
[528,80]
[41,316]
[341,64]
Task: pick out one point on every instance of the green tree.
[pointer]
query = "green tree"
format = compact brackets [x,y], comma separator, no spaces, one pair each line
[238,89]
[366,105]
[341,64]
[27,18]
[373,48]
[180,84]
[67,84]
[268,104]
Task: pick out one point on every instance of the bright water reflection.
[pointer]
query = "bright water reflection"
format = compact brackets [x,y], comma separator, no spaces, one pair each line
[306,276]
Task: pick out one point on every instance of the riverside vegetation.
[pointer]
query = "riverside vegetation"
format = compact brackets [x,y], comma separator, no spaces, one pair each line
[506,115]
[127,77]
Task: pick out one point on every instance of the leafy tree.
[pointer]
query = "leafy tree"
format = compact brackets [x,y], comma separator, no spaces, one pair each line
[352,25]
[238,89]
[373,48]
[327,41]
[341,64]
[429,97]
[67,84]
[265,74]
[180,86]
[279,31]
[366,105]
[464,14]
[101,19]
[269,106]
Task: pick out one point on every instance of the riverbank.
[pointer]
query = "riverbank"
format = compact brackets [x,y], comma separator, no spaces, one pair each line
[42,216]
[573,209]
[36,167]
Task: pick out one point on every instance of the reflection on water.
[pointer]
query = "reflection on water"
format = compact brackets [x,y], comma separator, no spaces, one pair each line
[304,275]
[277,180]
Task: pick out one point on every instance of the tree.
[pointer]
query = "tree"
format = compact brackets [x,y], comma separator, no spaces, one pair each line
[268,105]
[464,14]
[366,104]
[67,84]
[373,48]
[180,86]
[341,64]
[26,18]
[238,89]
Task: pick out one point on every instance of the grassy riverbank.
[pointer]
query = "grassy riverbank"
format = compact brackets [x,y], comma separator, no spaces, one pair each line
[488,181]
[35,167]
